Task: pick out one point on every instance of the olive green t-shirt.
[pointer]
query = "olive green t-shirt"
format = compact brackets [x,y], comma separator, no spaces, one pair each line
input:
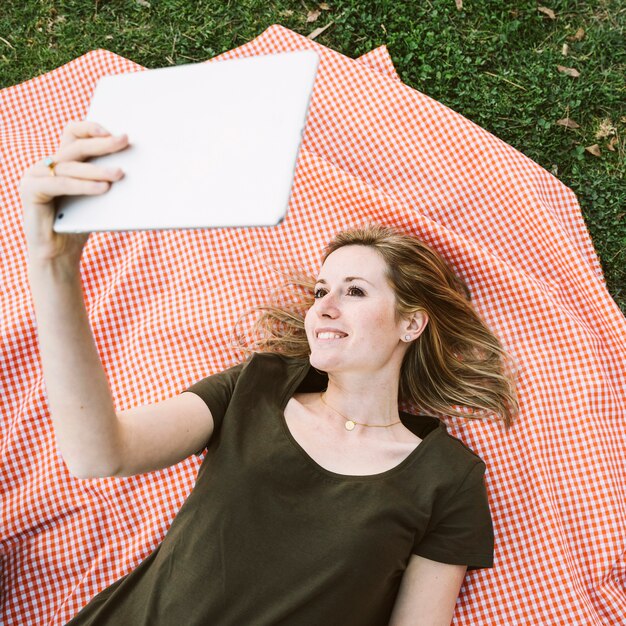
[269,537]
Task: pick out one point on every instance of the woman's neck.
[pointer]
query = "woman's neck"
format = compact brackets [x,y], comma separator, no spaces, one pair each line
[366,399]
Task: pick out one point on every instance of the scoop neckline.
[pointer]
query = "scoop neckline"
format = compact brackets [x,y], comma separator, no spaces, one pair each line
[348,477]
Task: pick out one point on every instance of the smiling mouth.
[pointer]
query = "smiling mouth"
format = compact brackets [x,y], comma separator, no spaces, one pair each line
[325,336]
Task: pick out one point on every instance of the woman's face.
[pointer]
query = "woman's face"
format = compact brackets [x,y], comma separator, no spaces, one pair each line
[352,324]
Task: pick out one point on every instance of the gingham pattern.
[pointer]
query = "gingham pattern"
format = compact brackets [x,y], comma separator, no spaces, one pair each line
[162,306]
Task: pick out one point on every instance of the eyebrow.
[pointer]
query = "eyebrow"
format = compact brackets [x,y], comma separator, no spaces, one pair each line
[347,279]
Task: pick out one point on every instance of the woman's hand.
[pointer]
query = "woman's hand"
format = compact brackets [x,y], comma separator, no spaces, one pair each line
[38,188]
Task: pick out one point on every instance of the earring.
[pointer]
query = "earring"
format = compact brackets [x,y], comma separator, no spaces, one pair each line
[407,337]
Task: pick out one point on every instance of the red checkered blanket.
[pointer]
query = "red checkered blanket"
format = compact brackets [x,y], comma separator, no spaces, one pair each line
[163,305]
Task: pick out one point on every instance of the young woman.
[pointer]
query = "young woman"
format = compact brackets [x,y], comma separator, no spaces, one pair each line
[319,501]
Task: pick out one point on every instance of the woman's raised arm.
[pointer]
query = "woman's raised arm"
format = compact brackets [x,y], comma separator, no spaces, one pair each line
[91,438]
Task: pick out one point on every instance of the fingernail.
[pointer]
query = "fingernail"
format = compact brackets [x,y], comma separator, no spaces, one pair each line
[98,130]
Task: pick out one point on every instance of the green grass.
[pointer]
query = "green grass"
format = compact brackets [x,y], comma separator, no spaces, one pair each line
[495,62]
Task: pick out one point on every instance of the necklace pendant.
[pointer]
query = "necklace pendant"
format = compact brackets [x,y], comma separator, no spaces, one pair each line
[350,425]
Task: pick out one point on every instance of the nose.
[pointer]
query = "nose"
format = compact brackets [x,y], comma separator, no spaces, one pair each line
[327,306]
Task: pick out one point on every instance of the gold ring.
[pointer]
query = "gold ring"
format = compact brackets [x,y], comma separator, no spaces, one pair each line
[50,164]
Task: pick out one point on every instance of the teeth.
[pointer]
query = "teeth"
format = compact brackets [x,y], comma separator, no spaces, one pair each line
[330,336]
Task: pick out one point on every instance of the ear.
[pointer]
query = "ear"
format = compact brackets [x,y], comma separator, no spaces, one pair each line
[415,324]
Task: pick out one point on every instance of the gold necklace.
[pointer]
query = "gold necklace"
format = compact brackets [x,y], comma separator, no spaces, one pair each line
[350,424]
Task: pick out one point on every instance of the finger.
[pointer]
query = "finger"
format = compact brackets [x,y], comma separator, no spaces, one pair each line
[84,128]
[82,149]
[78,169]
[52,187]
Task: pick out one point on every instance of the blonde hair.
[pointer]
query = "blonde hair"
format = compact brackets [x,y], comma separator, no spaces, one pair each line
[457,366]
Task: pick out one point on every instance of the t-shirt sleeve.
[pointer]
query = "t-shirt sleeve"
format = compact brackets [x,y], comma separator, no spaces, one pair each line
[216,391]
[460,531]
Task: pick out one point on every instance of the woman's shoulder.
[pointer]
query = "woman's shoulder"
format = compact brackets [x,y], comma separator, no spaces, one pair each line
[459,459]
[274,368]
[445,444]
[461,449]
[275,361]
[443,453]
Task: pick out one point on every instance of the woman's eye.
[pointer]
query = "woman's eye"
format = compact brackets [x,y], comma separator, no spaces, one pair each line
[352,291]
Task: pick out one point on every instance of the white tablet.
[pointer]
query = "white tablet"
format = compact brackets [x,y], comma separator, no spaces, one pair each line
[211,145]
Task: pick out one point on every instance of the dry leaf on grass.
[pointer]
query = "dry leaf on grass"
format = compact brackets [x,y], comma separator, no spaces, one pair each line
[569,71]
[324,7]
[312,16]
[565,50]
[568,123]
[595,149]
[578,36]
[459,5]
[611,145]
[606,129]
[318,31]
[547,11]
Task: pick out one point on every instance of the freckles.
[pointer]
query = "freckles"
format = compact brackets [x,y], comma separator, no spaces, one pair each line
[380,325]
[383,324]
[382,318]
